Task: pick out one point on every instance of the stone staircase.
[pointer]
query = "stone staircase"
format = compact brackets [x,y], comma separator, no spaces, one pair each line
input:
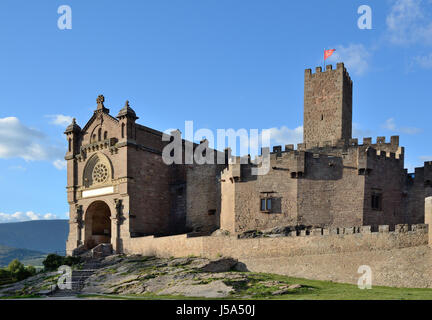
[78,279]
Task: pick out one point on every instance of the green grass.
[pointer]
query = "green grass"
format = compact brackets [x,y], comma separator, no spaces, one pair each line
[32,296]
[146,296]
[310,290]
[327,290]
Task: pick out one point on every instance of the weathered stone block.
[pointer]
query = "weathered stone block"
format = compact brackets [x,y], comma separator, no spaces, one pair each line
[419,227]
[349,230]
[401,228]
[383,228]
[365,229]
[316,232]
[333,230]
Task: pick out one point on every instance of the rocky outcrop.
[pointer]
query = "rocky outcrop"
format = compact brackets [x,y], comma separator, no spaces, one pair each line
[140,275]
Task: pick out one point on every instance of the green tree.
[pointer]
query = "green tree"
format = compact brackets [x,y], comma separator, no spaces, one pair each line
[53,262]
[18,271]
[15,266]
[31,270]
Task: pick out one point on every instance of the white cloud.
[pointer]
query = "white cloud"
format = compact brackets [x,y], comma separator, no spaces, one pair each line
[424,62]
[390,125]
[25,216]
[355,57]
[17,168]
[60,119]
[284,135]
[60,164]
[358,132]
[409,23]
[20,141]
[425,158]
[278,136]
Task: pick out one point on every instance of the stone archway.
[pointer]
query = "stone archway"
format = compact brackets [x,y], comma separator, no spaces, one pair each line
[97,224]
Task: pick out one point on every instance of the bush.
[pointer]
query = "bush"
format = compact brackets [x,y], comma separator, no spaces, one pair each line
[17,271]
[71,261]
[53,261]
[15,266]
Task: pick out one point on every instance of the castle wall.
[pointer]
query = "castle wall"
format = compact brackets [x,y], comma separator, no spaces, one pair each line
[148,137]
[278,185]
[331,192]
[326,242]
[203,197]
[385,177]
[149,192]
[417,187]
[228,191]
[242,193]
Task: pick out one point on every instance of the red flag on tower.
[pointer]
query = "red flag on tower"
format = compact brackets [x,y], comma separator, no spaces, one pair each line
[328,53]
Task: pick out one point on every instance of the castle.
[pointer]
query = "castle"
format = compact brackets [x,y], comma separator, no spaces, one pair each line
[119,189]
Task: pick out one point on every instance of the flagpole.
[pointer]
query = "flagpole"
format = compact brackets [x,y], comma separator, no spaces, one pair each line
[324,59]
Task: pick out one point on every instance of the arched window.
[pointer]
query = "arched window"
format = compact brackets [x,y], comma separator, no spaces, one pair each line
[99,134]
[123,127]
[98,171]
[70,145]
[105,135]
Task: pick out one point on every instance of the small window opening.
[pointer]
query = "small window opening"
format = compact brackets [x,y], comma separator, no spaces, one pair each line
[99,134]
[122,130]
[70,145]
[322,117]
[212,212]
[105,135]
[377,201]
[266,204]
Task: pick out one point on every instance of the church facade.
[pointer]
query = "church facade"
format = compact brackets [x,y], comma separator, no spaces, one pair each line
[119,187]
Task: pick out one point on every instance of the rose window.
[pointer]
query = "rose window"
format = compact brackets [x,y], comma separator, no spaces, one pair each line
[100,173]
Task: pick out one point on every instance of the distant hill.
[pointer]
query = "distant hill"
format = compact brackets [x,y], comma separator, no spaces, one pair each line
[47,236]
[28,257]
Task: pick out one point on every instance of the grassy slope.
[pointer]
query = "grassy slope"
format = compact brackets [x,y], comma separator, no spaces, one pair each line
[311,290]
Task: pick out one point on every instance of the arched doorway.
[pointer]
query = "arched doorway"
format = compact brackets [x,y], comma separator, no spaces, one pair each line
[97,224]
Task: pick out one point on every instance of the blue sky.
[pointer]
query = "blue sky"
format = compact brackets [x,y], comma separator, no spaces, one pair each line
[221,63]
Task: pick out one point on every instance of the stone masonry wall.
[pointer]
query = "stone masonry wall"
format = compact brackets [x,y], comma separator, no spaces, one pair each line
[203,197]
[417,187]
[331,192]
[327,105]
[319,242]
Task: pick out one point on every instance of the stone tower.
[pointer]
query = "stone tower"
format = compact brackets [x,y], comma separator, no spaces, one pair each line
[327,106]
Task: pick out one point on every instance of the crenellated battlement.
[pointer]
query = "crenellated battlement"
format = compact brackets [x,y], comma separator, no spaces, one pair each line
[377,229]
[340,67]
[381,141]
